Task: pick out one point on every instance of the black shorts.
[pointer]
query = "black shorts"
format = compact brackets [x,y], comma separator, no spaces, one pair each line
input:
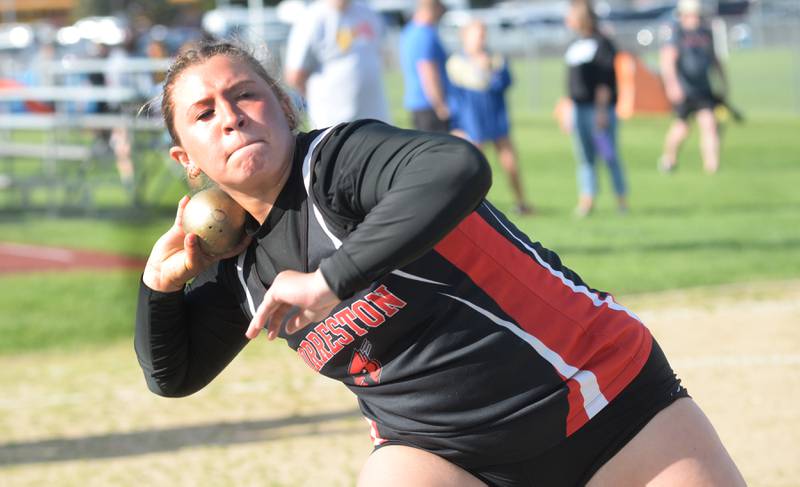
[575,460]
[428,121]
[691,105]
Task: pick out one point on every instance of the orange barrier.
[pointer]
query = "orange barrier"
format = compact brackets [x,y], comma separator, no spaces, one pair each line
[639,90]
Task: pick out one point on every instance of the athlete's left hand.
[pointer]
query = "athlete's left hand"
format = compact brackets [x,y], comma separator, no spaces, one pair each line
[308,294]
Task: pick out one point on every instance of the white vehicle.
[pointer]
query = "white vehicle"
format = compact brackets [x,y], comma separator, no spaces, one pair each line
[513,27]
[242,22]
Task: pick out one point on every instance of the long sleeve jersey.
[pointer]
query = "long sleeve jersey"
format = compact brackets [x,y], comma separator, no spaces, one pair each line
[456,332]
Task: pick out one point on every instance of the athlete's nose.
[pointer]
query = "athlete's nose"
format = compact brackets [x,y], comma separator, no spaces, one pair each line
[233,119]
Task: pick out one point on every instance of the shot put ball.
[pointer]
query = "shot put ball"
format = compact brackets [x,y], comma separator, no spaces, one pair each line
[216,219]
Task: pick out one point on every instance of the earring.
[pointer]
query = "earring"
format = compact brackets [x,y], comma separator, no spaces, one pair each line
[192,171]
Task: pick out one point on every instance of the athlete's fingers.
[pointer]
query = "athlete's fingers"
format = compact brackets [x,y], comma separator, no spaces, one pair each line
[195,260]
[275,321]
[258,321]
[262,314]
[179,214]
[298,321]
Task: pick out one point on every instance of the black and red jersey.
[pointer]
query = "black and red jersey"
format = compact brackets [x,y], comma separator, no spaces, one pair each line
[458,334]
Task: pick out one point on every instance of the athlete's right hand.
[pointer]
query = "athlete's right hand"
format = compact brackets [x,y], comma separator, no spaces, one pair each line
[176,257]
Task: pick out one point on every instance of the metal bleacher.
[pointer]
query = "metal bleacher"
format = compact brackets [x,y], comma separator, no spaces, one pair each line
[53,151]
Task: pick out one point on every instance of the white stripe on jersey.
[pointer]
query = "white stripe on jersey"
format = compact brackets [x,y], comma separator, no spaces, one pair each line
[416,278]
[240,273]
[593,398]
[608,301]
[318,215]
[373,433]
[307,183]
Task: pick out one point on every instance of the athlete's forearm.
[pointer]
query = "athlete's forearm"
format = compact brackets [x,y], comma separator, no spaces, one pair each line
[181,351]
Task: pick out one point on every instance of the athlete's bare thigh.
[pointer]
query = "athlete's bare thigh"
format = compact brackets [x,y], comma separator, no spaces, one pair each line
[402,466]
[677,447]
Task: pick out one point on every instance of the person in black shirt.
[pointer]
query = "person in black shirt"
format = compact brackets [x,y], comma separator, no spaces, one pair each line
[688,65]
[592,85]
[476,356]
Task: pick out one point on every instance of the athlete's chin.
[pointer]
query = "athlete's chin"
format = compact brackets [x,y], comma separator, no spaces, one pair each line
[249,170]
[250,152]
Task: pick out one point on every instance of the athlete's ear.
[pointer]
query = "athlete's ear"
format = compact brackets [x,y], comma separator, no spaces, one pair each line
[179,155]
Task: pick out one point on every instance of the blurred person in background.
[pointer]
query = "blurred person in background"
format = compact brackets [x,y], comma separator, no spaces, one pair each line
[157,49]
[119,76]
[479,80]
[423,60]
[334,59]
[98,78]
[592,86]
[689,67]
[39,72]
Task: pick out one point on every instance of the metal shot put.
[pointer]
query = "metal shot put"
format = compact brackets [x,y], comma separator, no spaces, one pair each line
[216,219]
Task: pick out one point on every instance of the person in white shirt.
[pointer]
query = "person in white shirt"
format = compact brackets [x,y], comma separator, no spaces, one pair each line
[333,59]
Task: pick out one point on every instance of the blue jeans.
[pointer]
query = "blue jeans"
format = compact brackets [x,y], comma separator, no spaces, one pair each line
[586,149]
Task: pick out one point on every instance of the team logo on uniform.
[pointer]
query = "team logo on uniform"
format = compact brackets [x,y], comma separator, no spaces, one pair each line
[365,370]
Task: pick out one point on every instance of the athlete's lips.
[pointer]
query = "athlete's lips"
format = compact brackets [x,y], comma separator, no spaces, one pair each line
[244,145]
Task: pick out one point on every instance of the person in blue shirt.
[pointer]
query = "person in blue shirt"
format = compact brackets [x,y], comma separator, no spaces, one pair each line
[478,81]
[422,59]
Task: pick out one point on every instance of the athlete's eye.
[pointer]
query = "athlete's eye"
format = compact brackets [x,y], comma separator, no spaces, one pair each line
[205,115]
[245,94]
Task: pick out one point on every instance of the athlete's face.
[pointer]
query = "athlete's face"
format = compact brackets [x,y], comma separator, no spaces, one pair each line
[230,125]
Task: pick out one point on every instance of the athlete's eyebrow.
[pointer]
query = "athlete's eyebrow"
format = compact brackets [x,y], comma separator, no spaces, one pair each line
[206,101]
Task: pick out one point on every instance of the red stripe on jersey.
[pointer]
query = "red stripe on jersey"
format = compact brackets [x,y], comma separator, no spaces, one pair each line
[577,413]
[609,343]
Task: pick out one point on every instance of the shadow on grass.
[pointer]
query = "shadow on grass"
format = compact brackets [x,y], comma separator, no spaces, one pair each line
[674,210]
[667,247]
[116,445]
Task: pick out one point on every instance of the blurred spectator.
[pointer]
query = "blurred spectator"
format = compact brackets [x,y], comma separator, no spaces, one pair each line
[98,78]
[479,80]
[157,50]
[39,73]
[688,65]
[118,75]
[333,58]
[592,86]
[422,59]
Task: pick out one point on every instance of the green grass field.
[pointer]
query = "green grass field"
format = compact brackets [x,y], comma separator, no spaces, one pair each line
[684,230]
